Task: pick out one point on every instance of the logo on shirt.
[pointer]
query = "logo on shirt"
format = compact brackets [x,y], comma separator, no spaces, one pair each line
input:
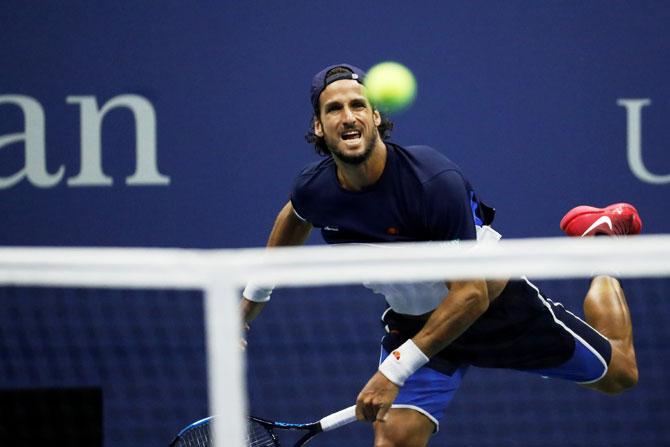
[329,228]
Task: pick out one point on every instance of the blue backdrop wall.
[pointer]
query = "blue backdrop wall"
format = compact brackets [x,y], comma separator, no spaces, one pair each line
[168,124]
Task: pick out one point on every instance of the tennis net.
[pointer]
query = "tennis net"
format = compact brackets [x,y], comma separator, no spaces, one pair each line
[87,317]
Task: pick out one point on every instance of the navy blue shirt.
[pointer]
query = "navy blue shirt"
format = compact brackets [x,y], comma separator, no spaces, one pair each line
[423,196]
[420,196]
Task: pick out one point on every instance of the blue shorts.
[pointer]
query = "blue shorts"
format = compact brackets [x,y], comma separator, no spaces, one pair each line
[430,389]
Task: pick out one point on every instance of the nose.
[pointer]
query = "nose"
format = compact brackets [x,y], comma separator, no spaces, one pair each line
[348,115]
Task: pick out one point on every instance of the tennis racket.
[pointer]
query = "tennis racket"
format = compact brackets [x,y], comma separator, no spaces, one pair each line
[261,433]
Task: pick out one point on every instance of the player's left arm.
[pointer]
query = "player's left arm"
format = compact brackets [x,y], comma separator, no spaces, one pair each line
[448,217]
[466,302]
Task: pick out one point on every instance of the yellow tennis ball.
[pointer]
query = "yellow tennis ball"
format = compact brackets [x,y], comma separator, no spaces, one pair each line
[391,86]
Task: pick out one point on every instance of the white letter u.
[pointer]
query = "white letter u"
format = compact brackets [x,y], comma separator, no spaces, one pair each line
[634,117]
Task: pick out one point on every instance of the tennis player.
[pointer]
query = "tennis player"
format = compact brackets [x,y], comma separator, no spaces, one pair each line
[370,190]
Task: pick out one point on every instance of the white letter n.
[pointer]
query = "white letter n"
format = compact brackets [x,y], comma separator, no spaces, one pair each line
[91,173]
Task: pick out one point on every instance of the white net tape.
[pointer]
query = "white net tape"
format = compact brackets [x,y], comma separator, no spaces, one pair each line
[328,265]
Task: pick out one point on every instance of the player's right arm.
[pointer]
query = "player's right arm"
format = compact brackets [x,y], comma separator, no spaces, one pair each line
[287,230]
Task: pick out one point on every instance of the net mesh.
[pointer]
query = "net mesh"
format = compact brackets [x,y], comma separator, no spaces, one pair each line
[145,351]
[326,341]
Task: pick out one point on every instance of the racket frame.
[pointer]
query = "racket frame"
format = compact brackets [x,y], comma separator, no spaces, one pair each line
[330,422]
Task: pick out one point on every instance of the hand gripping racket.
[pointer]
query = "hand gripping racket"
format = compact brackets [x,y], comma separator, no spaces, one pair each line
[261,433]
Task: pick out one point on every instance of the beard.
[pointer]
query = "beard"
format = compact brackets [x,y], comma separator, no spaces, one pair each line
[357,159]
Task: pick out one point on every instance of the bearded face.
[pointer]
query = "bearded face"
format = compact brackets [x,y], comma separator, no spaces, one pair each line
[347,122]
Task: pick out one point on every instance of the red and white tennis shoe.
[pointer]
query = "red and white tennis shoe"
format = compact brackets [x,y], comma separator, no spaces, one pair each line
[619,219]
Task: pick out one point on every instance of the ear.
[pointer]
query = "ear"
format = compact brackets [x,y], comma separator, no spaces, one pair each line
[318,128]
[377,117]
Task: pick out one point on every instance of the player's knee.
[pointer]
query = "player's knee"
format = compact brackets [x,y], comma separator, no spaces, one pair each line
[629,376]
[402,433]
[623,381]
[629,379]
[399,440]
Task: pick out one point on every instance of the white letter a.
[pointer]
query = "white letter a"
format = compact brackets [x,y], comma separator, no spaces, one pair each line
[33,137]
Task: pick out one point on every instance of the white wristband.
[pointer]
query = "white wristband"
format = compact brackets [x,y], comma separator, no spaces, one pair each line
[256,293]
[403,362]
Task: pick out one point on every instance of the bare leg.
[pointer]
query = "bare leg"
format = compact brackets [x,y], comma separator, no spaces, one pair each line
[403,427]
[606,310]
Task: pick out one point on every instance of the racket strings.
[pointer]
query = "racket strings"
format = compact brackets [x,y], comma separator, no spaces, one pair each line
[197,437]
[260,436]
[257,436]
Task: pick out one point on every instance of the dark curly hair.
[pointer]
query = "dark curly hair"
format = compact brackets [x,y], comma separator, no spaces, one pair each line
[384,128]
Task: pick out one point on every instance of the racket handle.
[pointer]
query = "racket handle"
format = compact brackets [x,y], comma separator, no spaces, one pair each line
[338,419]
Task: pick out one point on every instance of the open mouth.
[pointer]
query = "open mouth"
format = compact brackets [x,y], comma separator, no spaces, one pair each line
[350,134]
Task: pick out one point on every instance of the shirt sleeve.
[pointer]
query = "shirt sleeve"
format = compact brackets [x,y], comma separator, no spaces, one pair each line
[299,200]
[448,211]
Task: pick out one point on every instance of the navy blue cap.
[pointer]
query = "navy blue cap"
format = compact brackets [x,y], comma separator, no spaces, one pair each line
[319,81]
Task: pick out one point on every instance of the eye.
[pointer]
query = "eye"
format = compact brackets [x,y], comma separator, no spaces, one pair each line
[358,104]
[333,107]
